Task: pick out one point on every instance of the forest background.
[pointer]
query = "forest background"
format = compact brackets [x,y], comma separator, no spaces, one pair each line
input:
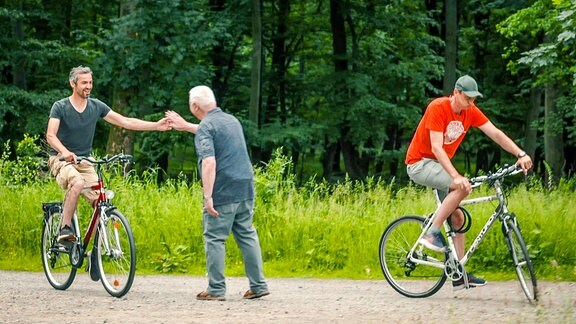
[338,86]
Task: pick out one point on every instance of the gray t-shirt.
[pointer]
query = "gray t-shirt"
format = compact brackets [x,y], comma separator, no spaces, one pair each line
[76,131]
[220,135]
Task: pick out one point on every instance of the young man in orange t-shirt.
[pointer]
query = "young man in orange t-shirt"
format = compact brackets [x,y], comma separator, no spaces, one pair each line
[438,135]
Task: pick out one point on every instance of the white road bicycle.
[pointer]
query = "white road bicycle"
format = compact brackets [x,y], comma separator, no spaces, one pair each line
[417,272]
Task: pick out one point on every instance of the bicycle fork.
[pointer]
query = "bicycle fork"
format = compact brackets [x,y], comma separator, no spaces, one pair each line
[111,251]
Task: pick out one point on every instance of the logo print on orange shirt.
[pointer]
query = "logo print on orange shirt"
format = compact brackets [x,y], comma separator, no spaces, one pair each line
[453,131]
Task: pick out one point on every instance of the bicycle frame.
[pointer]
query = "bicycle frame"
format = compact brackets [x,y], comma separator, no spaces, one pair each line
[500,211]
[97,213]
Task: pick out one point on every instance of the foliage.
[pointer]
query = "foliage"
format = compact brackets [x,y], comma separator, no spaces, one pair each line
[27,166]
[553,59]
[175,259]
[150,53]
[321,229]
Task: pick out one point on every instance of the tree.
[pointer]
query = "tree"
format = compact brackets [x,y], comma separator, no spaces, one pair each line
[43,40]
[552,62]
[149,62]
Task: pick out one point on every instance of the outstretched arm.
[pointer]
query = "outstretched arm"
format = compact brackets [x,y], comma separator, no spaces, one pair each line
[178,123]
[136,124]
[507,144]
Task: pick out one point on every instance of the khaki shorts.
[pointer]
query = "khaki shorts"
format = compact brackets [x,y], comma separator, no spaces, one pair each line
[430,173]
[67,174]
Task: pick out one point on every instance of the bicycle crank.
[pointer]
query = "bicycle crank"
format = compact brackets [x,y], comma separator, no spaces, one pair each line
[453,269]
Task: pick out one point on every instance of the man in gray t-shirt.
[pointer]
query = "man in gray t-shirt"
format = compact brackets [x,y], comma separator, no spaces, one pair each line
[70,133]
[228,185]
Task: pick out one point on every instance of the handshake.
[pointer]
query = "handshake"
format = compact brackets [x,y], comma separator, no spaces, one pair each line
[173,120]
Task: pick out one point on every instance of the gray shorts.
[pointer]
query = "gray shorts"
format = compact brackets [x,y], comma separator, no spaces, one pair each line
[430,173]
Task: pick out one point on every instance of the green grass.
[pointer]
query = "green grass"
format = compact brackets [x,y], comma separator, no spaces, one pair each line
[316,230]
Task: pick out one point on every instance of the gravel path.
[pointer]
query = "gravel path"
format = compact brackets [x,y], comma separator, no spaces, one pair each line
[27,297]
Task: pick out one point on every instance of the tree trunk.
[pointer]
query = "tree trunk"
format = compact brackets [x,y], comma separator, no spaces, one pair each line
[256,75]
[451,51]
[339,55]
[531,136]
[219,57]
[19,73]
[553,140]
[120,140]
[277,86]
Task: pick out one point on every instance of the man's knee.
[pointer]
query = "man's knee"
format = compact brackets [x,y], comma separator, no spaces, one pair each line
[461,193]
[457,218]
[77,186]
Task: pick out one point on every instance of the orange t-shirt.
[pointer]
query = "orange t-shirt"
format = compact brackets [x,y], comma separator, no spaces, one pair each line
[440,117]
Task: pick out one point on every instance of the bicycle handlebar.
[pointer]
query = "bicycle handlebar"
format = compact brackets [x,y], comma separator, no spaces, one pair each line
[123,158]
[499,174]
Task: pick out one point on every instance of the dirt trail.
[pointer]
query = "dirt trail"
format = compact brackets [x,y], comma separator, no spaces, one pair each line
[27,297]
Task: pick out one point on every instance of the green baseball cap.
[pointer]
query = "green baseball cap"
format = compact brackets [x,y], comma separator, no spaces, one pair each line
[469,86]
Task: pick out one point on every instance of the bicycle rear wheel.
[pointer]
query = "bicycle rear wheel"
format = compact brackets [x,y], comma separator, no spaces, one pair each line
[407,277]
[55,257]
[521,259]
[115,253]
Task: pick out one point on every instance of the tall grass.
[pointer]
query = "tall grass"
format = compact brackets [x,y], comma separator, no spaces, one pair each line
[319,229]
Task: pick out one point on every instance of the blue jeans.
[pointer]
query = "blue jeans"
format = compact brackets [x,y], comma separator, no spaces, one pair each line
[235,218]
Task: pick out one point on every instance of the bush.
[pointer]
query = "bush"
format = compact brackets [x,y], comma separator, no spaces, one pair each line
[320,230]
[26,169]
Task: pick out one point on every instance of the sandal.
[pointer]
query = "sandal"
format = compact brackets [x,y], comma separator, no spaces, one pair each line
[252,295]
[206,296]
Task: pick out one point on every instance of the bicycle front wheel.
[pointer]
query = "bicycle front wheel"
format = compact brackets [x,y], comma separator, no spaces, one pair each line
[410,277]
[55,257]
[115,253]
[521,259]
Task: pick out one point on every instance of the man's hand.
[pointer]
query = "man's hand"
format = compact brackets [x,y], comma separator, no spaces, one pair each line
[461,183]
[163,124]
[525,163]
[68,157]
[209,207]
[176,121]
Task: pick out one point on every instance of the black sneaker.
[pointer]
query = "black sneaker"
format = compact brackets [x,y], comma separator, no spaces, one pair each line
[433,241]
[472,282]
[66,235]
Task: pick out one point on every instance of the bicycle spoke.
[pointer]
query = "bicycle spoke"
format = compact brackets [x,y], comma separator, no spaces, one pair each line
[116,254]
[409,278]
[55,259]
[522,263]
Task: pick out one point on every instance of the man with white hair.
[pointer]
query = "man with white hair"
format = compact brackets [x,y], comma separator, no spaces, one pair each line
[228,185]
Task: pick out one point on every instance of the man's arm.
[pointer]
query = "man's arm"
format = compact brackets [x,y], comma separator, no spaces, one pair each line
[178,123]
[507,144]
[136,124]
[52,139]
[437,142]
[208,179]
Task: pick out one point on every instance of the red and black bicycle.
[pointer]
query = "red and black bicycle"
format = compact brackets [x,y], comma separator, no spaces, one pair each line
[112,259]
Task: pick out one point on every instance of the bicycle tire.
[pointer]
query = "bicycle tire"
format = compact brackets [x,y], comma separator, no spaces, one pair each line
[115,253]
[521,258]
[55,257]
[406,277]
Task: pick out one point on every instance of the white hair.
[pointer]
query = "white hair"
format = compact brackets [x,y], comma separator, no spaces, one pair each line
[203,96]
